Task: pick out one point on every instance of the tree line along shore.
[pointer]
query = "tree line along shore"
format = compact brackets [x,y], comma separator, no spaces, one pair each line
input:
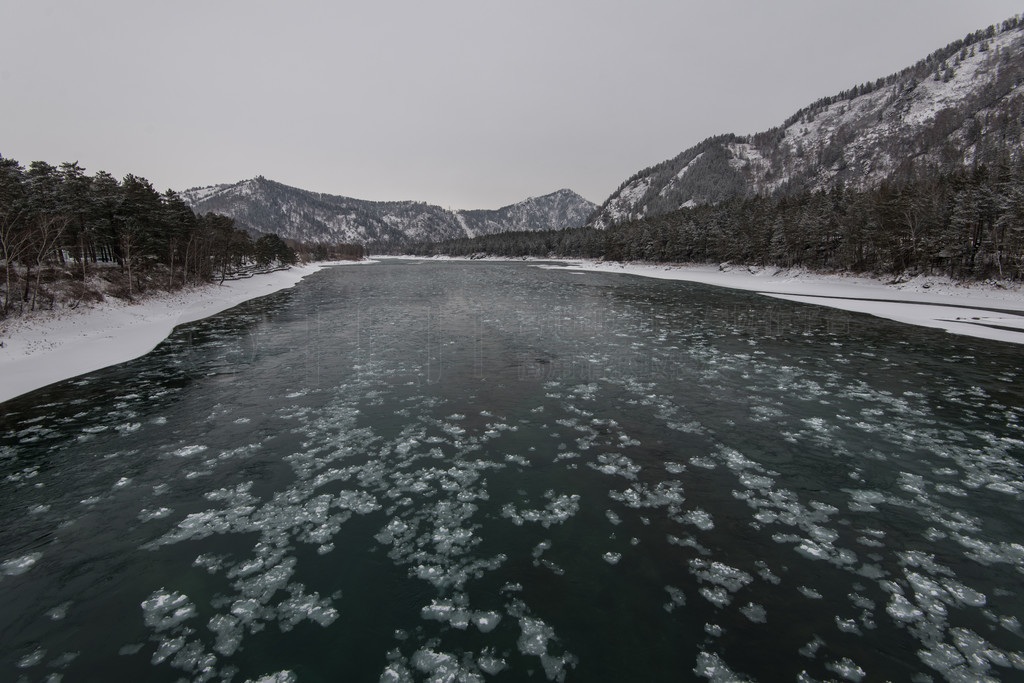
[68,238]
[967,225]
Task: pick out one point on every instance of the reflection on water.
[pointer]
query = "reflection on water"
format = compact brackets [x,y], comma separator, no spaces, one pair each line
[465,471]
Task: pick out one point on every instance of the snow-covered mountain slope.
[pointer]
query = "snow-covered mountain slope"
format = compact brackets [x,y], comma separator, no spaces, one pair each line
[962,104]
[265,206]
[561,209]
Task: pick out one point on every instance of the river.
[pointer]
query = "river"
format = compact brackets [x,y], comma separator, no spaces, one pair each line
[466,471]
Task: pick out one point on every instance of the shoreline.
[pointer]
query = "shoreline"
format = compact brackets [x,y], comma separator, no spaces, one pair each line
[976,309]
[50,347]
[979,310]
[44,349]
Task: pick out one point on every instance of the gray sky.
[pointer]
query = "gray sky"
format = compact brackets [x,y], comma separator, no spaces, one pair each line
[463,103]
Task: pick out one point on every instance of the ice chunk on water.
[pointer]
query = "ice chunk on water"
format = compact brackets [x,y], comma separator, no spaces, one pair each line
[20,565]
[721,574]
[164,610]
[246,610]
[616,465]
[1011,624]
[301,605]
[31,659]
[147,515]
[848,625]
[978,651]
[167,648]
[540,549]
[396,672]
[668,494]
[710,666]
[810,650]
[486,621]
[452,611]
[442,666]
[211,563]
[865,501]
[688,542]
[535,636]
[703,461]
[517,459]
[901,609]
[700,519]
[279,677]
[717,596]
[559,509]
[678,598]
[756,613]
[59,612]
[490,664]
[187,451]
[612,558]
[847,669]
[228,630]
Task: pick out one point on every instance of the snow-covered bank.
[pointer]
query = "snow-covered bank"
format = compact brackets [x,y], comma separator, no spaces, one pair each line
[983,310]
[42,349]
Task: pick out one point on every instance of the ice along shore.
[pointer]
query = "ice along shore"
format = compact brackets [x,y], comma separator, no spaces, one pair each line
[42,349]
[984,310]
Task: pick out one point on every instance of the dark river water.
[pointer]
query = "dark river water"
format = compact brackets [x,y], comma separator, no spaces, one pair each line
[459,472]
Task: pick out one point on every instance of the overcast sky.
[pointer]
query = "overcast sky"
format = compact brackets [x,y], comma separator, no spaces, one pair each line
[462,103]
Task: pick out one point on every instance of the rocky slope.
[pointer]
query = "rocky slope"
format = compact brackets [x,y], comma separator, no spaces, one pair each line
[962,104]
[264,206]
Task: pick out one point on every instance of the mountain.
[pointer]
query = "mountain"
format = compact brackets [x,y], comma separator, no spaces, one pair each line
[963,104]
[264,206]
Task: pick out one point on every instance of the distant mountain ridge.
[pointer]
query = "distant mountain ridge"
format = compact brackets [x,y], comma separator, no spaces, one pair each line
[264,206]
[962,104]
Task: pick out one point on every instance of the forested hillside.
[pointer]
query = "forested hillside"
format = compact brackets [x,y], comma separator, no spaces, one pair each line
[969,225]
[962,106]
[922,171]
[70,237]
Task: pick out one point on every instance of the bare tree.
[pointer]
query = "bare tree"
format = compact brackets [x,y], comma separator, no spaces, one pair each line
[45,237]
[13,246]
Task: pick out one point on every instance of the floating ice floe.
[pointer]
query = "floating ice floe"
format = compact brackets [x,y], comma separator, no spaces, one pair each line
[754,612]
[19,565]
[710,666]
[31,659]
[612,558]
[847,669]
[619,465]
[559,509]
[535,639]
[278,677]
[676,598]
[164,610]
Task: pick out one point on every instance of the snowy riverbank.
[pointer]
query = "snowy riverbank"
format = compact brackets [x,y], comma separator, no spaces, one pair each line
[45,348]
[983,310]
